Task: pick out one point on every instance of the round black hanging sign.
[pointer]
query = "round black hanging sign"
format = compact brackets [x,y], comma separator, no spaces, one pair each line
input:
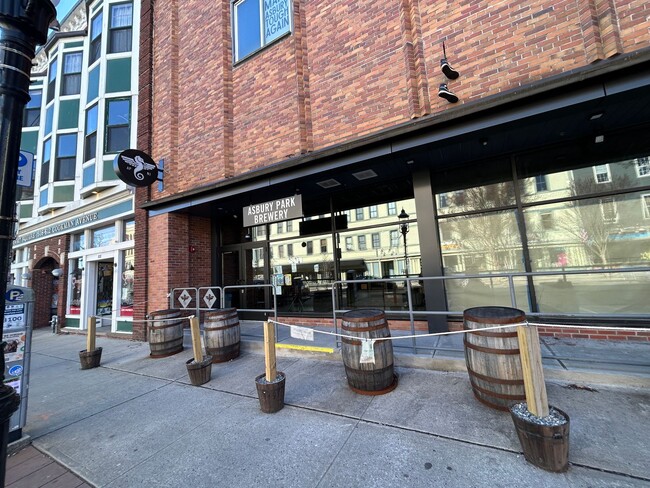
[135,168]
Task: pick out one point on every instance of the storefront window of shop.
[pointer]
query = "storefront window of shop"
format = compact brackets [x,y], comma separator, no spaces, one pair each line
[78,242]
[584,218]
[591,231]
[369,249]
[103,236]
[126,289]
[129,230]
[76,285]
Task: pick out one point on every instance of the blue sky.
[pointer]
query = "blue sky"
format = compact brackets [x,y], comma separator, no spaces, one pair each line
[64,7]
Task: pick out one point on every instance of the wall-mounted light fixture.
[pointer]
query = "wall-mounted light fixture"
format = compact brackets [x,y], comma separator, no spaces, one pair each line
[57,272]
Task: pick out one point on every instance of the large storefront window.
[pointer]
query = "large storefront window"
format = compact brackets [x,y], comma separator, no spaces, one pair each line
[76,286]
[371,248]
[126,288]
[586,218]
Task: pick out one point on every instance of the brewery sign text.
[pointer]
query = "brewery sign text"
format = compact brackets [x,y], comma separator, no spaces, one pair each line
[278,210]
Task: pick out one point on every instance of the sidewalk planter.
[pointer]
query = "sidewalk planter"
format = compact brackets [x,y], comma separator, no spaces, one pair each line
[90,359]
[222,334]
[200,373]
[367,378]
[165,333]
[545,441]
[271,394]
[492,357]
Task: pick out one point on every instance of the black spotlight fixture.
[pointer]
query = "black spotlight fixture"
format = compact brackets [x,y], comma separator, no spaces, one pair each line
[444,92]
[446,68]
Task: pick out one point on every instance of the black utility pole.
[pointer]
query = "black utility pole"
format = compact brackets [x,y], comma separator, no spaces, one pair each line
[23,25]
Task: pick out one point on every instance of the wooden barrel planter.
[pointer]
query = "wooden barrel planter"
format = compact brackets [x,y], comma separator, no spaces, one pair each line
[271,393]
[90,359]
[368,378]
[545,444]
[222,334]
[165,333]
[201,372]
[492,357]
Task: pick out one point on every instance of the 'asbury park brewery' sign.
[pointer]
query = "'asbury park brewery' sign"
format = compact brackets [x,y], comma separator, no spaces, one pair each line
[274,211]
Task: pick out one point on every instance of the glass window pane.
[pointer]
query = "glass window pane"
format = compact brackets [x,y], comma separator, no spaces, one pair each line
[120,40]
[91,119]
[49,119]
[121,15]
[129,230]
[247,28]
[66,145]
[47,150]
[117,139]
[104,236]
[119,112]
[126,289]
[276,19]
[96,27]
[478,198]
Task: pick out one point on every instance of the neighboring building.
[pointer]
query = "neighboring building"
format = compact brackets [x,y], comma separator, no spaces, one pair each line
[75,242]
[541,166]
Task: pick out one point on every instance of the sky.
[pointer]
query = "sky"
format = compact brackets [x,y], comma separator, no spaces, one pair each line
[64,7]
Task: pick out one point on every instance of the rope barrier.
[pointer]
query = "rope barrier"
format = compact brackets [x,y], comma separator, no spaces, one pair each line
[164,320]
[435,334]
[497,327]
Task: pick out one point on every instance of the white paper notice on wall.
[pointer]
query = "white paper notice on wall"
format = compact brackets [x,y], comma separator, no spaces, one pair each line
[367,351]
[302,333]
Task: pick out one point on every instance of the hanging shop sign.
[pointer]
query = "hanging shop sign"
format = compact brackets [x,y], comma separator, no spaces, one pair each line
[274,211]
[135,168]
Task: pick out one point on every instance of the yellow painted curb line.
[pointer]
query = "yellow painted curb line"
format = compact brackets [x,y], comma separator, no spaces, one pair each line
[305,348]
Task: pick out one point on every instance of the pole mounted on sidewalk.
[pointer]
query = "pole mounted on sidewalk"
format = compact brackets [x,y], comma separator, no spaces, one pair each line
[23,25]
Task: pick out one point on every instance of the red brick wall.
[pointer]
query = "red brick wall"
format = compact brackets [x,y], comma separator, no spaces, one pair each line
[47,255]
[351,69]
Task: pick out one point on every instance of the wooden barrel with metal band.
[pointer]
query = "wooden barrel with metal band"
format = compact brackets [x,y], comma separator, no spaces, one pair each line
[222,334]
[165,333]
[492,356]
[368,378]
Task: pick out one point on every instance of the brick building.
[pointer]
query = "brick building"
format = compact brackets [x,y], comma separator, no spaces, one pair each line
[517,146]
[74,244]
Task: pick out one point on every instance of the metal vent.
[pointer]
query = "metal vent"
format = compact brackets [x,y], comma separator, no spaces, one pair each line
[365,175]
[331,183]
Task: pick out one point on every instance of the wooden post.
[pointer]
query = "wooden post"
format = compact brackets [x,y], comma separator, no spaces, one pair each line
[90,338]
[531,363]
[196,339]
[269,352]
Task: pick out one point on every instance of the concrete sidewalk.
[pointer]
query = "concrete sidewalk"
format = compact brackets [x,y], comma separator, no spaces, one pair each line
[136,421]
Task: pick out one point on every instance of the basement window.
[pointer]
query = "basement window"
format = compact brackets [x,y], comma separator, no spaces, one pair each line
[257,23]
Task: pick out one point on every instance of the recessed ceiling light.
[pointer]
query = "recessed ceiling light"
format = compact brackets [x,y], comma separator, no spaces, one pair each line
[331,183]
[599,139]
[364,175]
[596,116]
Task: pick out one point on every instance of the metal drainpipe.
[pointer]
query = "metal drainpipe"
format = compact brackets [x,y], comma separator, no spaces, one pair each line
[23,25]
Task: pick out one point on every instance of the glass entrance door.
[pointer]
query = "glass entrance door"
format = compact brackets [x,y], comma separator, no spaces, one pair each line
[244,268]
[104,308]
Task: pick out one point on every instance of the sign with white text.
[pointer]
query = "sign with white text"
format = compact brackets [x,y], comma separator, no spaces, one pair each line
[25,169]
[274,211]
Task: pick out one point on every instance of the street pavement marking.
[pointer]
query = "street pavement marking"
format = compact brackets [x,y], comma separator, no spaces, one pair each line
[306,348]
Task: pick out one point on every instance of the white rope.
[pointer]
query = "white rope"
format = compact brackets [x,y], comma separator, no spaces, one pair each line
[498,327]
[403,337]
[164,320]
